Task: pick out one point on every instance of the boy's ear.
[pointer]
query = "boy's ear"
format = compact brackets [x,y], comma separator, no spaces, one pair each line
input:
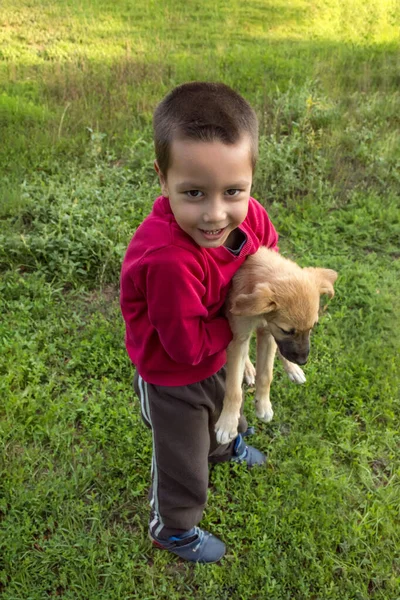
[163,181]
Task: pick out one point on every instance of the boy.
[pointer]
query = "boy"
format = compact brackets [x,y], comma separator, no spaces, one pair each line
[174,281]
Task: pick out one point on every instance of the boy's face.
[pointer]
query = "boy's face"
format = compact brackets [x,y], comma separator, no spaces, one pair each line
[208,185]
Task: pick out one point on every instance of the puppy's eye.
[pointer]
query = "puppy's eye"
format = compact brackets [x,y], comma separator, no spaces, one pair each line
[287,332]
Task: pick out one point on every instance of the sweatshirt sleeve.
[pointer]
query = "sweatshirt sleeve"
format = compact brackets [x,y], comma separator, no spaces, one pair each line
[175,299]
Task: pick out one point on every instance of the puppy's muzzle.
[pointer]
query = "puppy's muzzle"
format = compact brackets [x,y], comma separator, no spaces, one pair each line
[299,360]
[291,352]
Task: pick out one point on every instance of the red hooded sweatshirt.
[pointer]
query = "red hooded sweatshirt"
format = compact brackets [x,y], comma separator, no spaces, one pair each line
[173,292]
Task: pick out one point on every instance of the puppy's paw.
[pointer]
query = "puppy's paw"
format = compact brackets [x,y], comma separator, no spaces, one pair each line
[295,373]
[226,428]
[249,373]
[264,411]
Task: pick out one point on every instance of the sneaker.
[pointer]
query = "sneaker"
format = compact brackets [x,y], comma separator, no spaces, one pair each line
[249,431]
[247,454]
[195,545]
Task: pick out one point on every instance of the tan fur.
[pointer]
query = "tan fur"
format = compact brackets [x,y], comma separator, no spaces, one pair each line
[269,294]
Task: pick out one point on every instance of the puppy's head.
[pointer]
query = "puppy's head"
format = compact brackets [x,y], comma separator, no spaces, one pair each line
[289,303]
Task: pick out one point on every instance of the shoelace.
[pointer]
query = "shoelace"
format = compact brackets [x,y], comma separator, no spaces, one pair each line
[243,454]
[200,533]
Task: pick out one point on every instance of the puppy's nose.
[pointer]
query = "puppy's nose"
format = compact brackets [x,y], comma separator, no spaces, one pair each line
[298,359]
[301,360]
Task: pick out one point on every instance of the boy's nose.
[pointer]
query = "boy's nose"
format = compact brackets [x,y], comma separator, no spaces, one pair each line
[215,213]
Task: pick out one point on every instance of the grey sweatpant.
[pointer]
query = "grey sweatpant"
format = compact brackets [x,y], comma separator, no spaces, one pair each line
[182,421]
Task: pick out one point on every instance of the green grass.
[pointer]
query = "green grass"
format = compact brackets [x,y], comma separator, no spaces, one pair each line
[78,83]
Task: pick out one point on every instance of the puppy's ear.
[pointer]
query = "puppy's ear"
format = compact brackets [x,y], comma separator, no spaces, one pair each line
[260,301]
[325,279]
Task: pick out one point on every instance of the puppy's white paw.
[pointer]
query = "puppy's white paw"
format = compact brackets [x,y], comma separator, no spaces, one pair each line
[226,428]
[264,411]
[249,373]
[295,373]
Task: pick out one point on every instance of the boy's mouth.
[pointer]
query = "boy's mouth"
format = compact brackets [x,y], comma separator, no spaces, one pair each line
[212,234]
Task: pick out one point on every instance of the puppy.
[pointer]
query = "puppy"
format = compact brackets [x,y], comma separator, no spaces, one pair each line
[280,300]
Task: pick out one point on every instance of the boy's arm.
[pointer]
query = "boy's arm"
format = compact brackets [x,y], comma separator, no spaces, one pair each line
[175,296]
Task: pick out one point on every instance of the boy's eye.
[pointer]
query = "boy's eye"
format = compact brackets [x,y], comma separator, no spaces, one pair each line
[233,192]
[194,193]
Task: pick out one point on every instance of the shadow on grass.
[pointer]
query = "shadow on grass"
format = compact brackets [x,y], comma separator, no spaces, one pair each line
[65,99]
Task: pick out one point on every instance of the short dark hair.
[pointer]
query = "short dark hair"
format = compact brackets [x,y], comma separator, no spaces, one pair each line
[206,112]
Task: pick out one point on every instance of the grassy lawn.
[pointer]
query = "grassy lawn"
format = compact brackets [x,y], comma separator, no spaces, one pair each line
[78,83]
